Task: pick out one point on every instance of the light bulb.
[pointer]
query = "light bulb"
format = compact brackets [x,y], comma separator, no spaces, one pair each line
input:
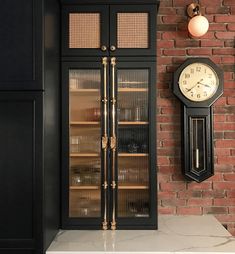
[198,26]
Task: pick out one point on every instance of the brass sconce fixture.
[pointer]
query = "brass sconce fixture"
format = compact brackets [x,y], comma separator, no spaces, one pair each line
[198,24]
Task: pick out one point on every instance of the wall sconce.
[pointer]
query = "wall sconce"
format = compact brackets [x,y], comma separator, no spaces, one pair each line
[198,24]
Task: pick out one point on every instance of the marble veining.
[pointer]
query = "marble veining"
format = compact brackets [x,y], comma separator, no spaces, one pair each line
[176,234]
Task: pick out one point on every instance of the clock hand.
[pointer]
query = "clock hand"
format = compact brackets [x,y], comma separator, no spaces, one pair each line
[199,82]
[203,84]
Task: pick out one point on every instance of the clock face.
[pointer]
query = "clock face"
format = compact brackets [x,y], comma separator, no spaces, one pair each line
[198,82]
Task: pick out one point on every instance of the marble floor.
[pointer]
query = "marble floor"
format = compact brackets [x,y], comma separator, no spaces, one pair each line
[176,234]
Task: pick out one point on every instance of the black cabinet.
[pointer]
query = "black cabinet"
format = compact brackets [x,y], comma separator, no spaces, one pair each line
[29,125]
[108,115]
[115,30]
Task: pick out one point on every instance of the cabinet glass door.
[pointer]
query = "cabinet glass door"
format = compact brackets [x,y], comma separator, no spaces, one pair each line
[84,131]
[85,30]
[134,156]
[131,29]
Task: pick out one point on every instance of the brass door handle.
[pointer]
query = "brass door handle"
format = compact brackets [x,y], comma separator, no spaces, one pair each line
[113,140]
[105,142]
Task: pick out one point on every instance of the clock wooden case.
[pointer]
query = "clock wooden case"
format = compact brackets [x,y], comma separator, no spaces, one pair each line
[198,83]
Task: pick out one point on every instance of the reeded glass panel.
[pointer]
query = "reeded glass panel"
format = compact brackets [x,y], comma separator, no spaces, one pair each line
[132,30]
[198,149]
[133,143]
[84,30]
[85,128]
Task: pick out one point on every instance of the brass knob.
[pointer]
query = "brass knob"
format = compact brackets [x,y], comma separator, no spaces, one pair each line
[103,48]
[112,48]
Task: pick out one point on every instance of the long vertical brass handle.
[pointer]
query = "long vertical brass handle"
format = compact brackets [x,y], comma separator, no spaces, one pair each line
[113,142]
[105,143]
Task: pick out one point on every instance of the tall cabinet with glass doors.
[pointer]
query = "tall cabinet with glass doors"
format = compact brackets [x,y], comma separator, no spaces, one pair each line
[108,115]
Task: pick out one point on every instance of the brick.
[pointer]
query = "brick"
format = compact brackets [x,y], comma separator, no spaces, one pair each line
[174,35]
[178,177]
[231,210]
[229,2]
[199,186]
[181,2]
[229,43]
[215,210]
[186,43]
[218,10]
[226,159]
[217,27]
[225,143]
[223,168]
[166,27]
[224,51]
[199,202]
[174,19]
[225,19]
[167,210]
[229,177]
[213,194]
[228,76]
[174,52]
[231,101]
[231,194]
[162,160]
[221,101]
[214,43]
[230,118]
[166,194]
[163,178]
[189,210]
[229,135]
[224,186]
[165,44]
[167,169]
[166,3]
[224,202]
[172,186]
[210,3]
[222,151]
[231,27]
[190,194]
[224,126]
[225,35]
[219,118]
[228,59]
[199,51]
[174,202]
[166,10]
[218,135]
[225,218]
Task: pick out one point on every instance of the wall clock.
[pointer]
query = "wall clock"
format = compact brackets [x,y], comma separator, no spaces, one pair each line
[198,83]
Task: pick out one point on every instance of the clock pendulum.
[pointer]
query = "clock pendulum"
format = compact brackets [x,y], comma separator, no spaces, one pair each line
[198,83]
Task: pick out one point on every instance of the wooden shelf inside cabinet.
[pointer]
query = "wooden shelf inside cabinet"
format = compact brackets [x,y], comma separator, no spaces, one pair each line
[133,123]
[85,187]
[132,89]
[133,187]
[84,123]
[133,154]
[74,155]
[84,90]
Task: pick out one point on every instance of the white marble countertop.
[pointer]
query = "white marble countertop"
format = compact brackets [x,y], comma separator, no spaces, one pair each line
[176,234]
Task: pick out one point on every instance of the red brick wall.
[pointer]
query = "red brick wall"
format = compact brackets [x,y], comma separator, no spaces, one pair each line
[217,194]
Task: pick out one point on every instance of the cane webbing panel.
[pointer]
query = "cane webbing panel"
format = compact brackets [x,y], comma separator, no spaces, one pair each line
[132,30]
[84,30]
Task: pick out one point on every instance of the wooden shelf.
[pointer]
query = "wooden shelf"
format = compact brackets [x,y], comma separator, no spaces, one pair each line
[84,90]
[85,187]
[133,154]
[133,123]
[133,89]
[133,187]
[84,123]
[84,155]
